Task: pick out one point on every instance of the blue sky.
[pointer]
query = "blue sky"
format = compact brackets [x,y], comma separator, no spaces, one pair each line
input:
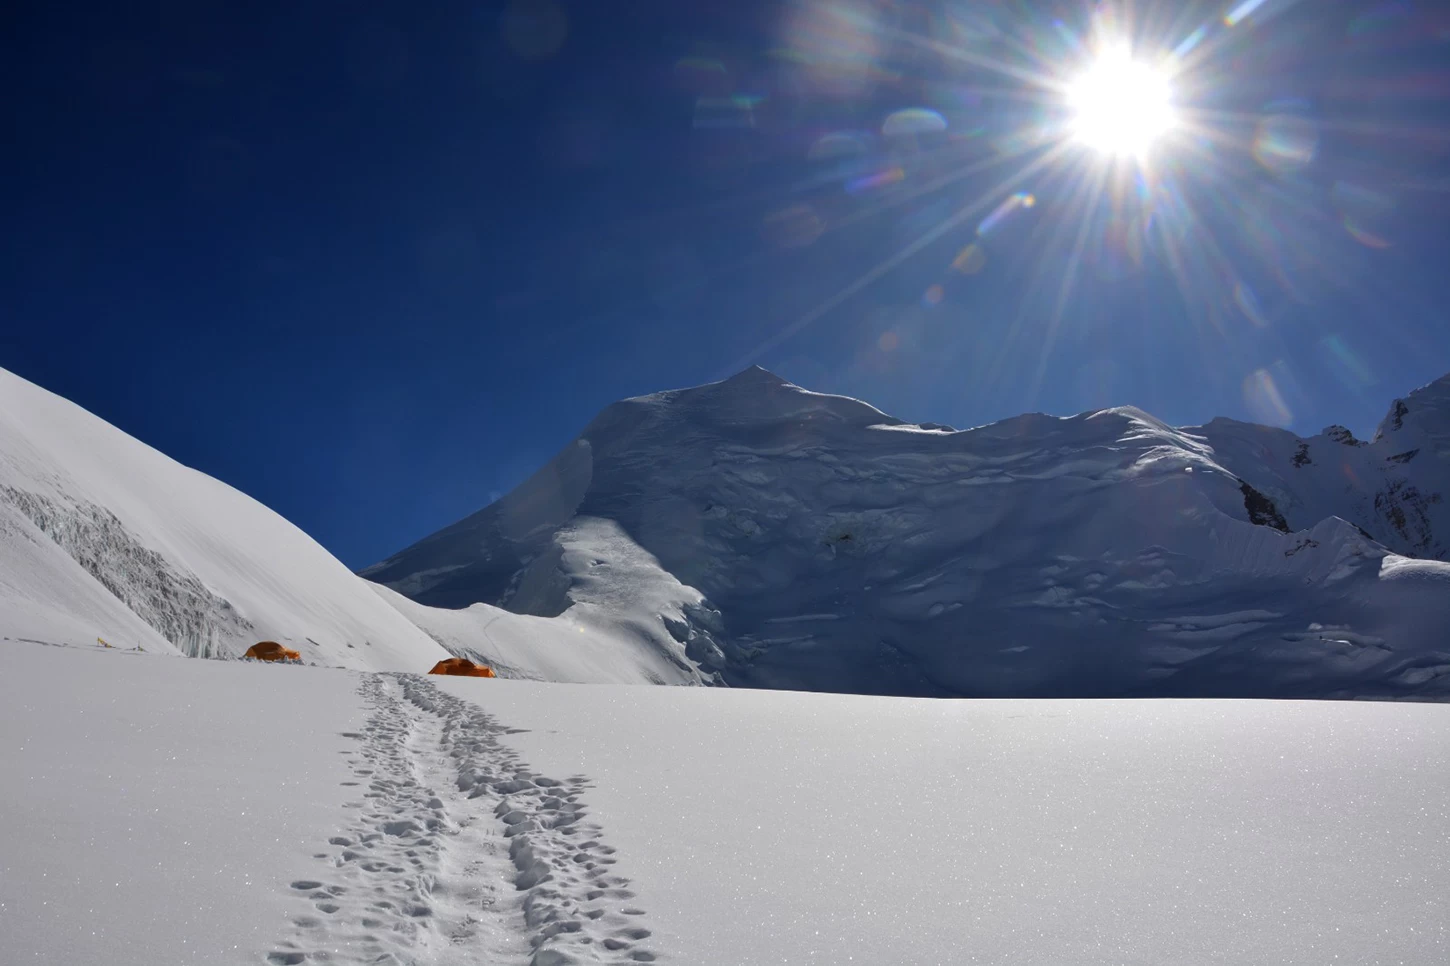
[374,263]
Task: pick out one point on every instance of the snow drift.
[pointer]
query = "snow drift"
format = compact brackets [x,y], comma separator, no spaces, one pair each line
[785,538]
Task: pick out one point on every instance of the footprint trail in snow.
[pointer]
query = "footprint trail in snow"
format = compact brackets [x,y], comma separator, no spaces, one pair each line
[460,853]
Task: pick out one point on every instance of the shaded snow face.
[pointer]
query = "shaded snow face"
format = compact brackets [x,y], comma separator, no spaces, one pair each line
[1396,488]
[833,547]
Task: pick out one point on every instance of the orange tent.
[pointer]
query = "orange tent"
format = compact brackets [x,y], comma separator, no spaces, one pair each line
[458,665]
[271,651]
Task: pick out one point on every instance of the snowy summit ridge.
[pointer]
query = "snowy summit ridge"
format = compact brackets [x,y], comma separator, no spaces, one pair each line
[787,538]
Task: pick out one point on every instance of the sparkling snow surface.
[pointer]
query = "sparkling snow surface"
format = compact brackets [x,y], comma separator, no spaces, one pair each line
[153,809]
[769,827]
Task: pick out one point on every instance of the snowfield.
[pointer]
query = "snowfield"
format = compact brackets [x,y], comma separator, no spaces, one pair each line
[157,810]
[153,809]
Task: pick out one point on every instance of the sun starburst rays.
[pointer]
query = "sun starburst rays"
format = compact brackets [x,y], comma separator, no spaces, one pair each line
[1126,130]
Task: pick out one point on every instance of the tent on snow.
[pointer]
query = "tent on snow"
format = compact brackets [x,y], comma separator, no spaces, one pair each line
[271,651]
[462,666]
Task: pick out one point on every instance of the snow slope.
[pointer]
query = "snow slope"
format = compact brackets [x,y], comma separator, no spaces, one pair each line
[584,645]
[103,536]
[155,810]
[811,541]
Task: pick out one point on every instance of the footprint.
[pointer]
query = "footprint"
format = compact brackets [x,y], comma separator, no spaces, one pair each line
[401,827]
[286,959]
[306,884]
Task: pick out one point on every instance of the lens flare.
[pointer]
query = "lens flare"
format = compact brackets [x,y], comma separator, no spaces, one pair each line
[1020,200]
[1285,143]
[1264,400]
[836,145]
[880,179]
[1240,12]
[1248,304]
[913,121]
[970,260]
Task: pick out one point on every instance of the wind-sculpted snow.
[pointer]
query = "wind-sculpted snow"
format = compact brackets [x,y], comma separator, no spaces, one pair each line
[829,546]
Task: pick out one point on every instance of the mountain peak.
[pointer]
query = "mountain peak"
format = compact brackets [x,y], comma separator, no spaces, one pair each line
[783,539]
[755,376]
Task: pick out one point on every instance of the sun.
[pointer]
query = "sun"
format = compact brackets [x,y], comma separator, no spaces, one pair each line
[1121,106]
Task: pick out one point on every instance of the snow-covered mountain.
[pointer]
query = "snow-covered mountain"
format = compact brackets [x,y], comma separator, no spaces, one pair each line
[753,533]
[786,538]
[102,536]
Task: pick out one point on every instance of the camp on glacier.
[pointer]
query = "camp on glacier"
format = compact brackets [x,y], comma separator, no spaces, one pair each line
[757,483]
[356,810]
